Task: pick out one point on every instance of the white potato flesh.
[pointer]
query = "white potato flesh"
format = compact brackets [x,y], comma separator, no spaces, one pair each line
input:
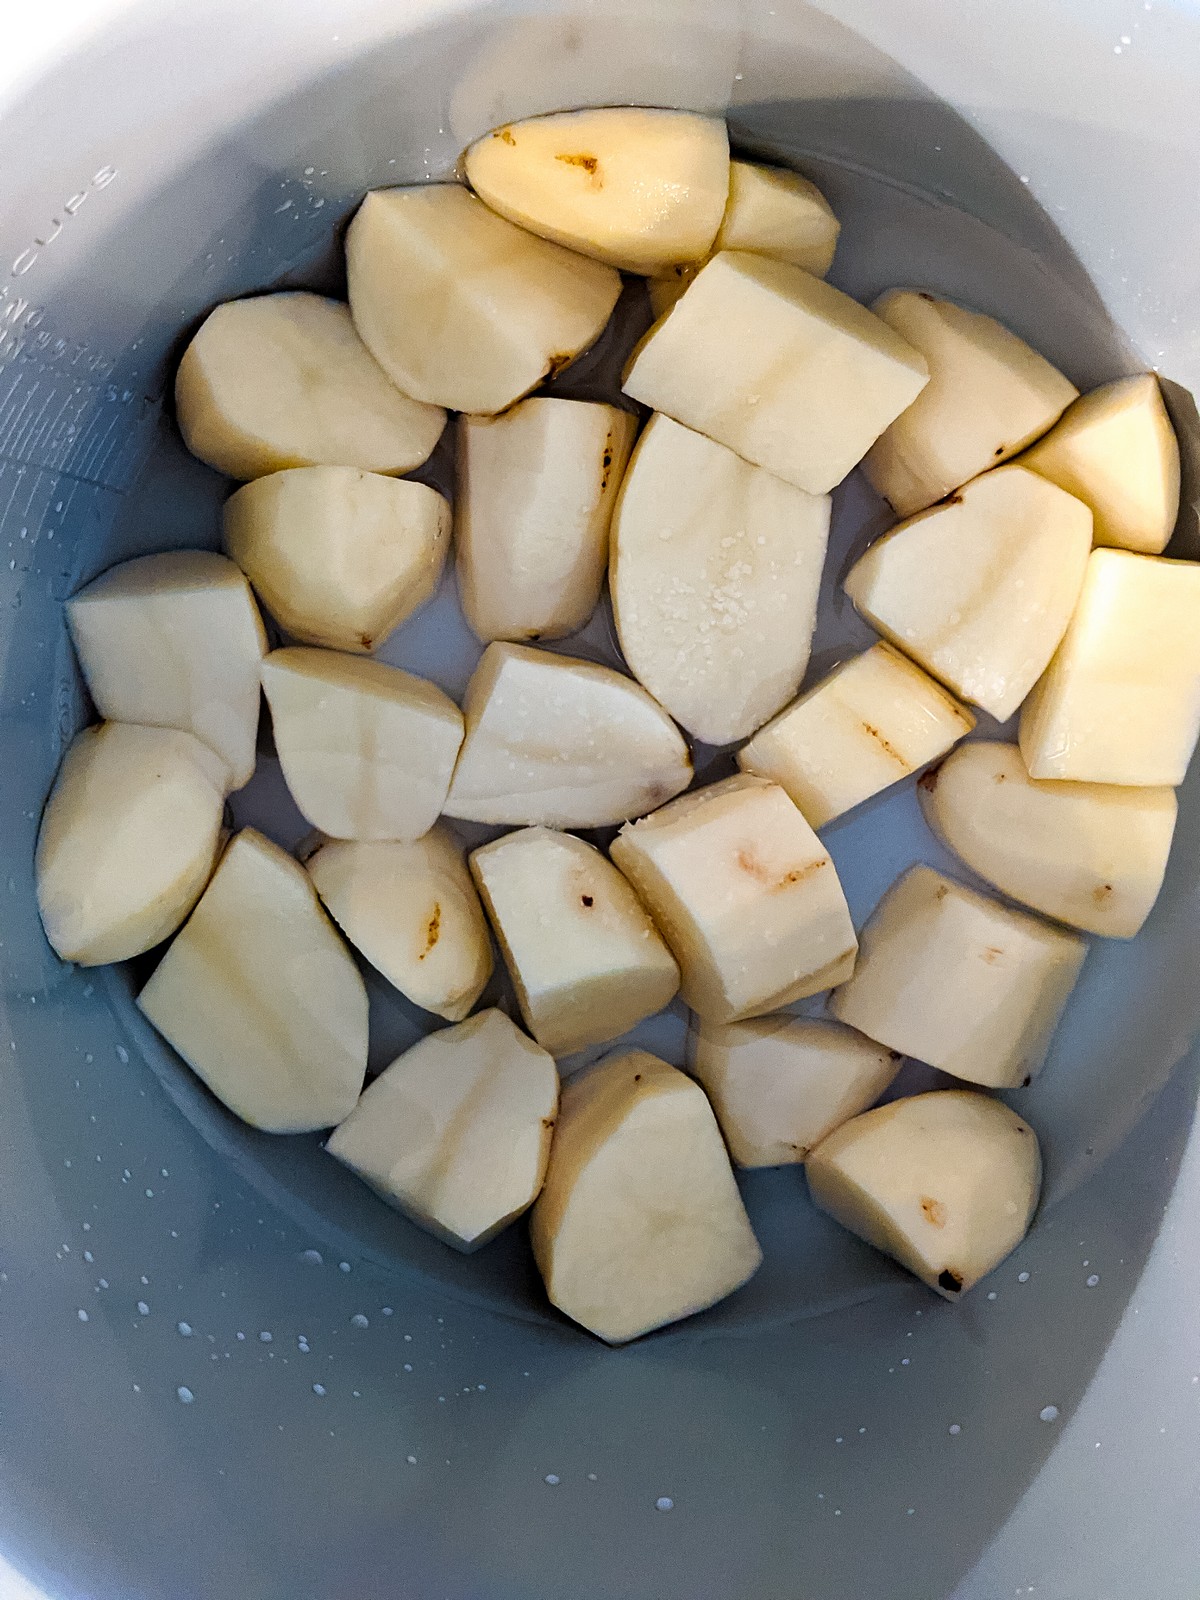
[1115,450]
[461,308]
[780,1084]
[556,742]
[745,895]
[261,998]
[640,1221]
[175,641]
[988,396]
[714,571]
[773,211]
[781,367]
[456,1132]
[412,910]
[960,981]
[980,590]
[128,839]
[339,556]
[536,489]
[283,380]
[944,1183]
[586,961]
[871,722]
[1120,702]
[637,188]
[367,750]
[1089,854]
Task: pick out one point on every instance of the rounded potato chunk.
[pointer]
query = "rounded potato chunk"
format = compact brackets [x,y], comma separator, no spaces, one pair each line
[773,211]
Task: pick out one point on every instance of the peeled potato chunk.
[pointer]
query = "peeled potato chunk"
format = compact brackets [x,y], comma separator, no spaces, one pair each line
[989,395]
[780,1084]
[745,895]
[773,211]
[871,722]
[536,489]
[586,960]
[283,380]
[456,1132]
[980,590]
[1120,702]
[562,743]
[640,1222]
[944,1183]
[175,641]
[413,911]
[779,366]
[960,981]
[128,840]
[338,556]
[715,570]
[261,998]
[461,308]
[367,750]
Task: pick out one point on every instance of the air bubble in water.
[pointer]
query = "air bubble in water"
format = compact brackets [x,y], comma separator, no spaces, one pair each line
[664,1503]
[359,1321]
[1049,1413]
[552,1479]
[185,1394]
[184,1328]
[1093,1280]
[319,1388]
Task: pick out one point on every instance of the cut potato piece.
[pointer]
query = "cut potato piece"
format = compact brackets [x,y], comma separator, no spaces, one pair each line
[175,641]
[339,557]
[980,590]
[536,489]
[283,380]
[413,912]
[586,960]
[367,750]
[128,840]
[989,395]
[870,723]
[1120,702]
[745,895]
[944,1183]
[637,188]
[261,998]
[775,212]
[715,570]
[779,366]
[960,981]
[562,743]
[780,1084]
[1091,854]
[640,1221]
[1115,450]
[665,291]
[456,1132]
[461,308]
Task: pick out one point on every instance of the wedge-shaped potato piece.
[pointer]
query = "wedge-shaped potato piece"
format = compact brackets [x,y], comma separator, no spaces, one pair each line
[781,367]
[175,641]
[635,187]
[283,380]
[339,557]
[640,1221]
[261,998]
[367,750]
[586,960]
[536,489]
[715,570]
[562,743]
[456,1132]
[780,1084]
[989,395]
[1120,702]
[1115,450]
[773,211]
[945,1183]
[413,912]
[980,590]
[128,840]
[960,981]
[460,307]
[745,895]
[873,721]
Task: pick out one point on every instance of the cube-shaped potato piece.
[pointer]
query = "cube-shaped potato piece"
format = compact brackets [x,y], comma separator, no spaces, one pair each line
[773,211]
